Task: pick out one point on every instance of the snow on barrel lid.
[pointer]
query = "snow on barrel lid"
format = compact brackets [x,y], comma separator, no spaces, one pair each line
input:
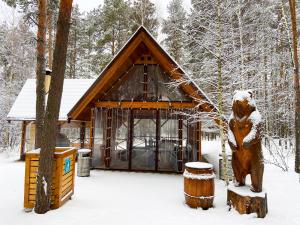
[199,165]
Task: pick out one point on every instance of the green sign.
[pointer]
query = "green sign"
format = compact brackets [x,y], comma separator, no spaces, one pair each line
[67,165]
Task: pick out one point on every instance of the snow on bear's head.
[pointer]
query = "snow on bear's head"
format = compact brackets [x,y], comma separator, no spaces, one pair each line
[243,103]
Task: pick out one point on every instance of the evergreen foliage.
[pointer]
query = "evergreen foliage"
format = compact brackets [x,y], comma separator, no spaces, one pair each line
[174,27]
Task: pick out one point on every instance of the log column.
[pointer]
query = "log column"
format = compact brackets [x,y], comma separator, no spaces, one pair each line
[198,141]
[92,124]
[82,134]
[23,139]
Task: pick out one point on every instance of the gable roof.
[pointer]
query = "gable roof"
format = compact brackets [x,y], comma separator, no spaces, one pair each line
[123,60]
[24,106]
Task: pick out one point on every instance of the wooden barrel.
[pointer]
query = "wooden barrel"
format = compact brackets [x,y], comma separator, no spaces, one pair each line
[199,186]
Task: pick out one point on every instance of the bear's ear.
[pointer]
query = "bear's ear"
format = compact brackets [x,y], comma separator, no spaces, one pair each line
[250,92]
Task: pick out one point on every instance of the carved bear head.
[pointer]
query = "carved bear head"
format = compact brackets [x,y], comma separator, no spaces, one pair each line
[243,104]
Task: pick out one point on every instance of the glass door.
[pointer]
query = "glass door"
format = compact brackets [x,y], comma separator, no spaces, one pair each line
[168,143]
[143,140]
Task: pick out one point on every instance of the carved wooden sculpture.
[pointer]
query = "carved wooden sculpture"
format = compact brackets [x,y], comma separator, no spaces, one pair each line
[244,137]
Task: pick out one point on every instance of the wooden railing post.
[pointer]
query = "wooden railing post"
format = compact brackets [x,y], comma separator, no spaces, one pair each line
[23,140]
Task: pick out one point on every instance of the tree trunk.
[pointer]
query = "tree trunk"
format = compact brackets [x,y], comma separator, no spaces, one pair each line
[292,4]
[44,179]
[74,56]
[50,38]
[40,71]
[220,94]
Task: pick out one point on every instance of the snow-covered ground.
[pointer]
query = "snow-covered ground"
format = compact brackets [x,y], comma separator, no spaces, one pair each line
[120,198]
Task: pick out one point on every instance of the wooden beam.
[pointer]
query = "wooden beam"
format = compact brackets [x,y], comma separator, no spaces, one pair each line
[23,139]
[180,143]
[157,139]
[198,141]
[145,83]
[82,134]
[146,105]
[130,132]
[108,138]
[92,123]
[31,136]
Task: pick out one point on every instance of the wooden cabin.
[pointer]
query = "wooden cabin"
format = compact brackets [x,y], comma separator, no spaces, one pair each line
[137,121]
[23,110]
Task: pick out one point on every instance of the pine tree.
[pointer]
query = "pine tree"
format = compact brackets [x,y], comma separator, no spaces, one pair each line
[40,71]
[174,27]
[44,178]
[113,30]
[90,64]
[74,47]
[144,13]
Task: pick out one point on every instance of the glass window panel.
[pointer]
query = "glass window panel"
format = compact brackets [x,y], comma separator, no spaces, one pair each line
[157,86]
[120,144]
[99,139]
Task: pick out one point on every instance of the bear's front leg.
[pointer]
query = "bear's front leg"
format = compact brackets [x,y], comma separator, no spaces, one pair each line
[232,146]
[238,175]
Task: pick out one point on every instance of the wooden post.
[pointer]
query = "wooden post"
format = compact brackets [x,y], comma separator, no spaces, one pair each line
[157,139]
[92,123]
[82,134]
[145,86]
[145,82]
[198,140]
[23,139]
[108,137]
[130,132]
[31,136]
[180,150]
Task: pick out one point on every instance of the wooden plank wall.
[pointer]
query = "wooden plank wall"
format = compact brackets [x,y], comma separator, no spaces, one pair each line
[62,183]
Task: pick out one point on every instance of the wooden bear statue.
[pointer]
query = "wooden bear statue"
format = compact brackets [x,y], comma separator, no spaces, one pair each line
[244,137]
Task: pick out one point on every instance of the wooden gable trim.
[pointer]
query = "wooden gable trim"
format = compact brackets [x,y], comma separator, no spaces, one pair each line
[162,57]
[104,78]
[176,74]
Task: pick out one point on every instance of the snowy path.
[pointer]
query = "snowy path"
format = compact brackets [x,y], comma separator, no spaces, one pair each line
[122,198]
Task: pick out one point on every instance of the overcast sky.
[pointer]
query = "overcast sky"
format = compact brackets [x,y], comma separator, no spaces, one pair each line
[161,5]
[8,14]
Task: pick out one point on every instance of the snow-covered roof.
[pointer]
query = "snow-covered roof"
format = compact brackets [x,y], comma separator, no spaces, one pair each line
[24,105]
